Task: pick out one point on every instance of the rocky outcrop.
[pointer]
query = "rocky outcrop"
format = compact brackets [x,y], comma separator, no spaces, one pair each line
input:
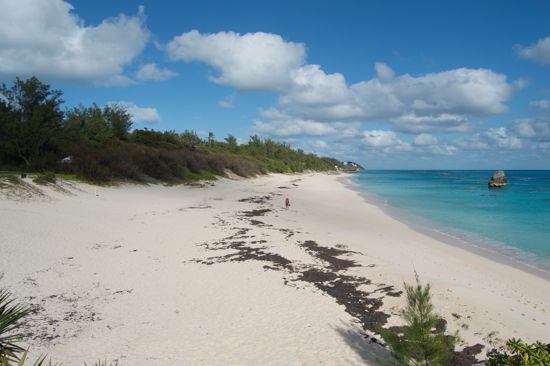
[498,180]
[351,166]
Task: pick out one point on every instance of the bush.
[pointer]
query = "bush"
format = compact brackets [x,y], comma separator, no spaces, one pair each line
[45,178]
[520,354]
[422,341]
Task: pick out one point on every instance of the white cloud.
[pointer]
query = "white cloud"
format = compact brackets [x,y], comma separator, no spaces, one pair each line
[292,127]
[438,101]
[226,104]
[45,38]
[425,139]
[383,71]
[297,127]
[412,123]
[539,52]
[152,72]
[520,84]
[540,104]
[281,124]
[444,149]
[229,102]
[493,138]
[536,129]
[387,141]
[139,114]
[252,61]
[379,138]
[441,101]
[502,139]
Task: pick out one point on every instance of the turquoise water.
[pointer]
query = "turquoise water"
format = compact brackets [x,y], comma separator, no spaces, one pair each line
[514,220]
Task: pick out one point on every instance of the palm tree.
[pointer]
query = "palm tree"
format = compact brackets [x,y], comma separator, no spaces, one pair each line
[11,315]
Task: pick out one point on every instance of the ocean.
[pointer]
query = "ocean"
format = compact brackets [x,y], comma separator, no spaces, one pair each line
[513,221]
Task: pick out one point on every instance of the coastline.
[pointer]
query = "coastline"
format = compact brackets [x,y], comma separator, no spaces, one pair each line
[226,274]
[474,243]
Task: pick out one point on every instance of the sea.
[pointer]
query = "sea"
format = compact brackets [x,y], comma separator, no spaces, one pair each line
[510,223]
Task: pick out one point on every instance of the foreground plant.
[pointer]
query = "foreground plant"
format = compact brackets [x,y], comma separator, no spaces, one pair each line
[4,361]
[520,353]
[11,315]
[422,341]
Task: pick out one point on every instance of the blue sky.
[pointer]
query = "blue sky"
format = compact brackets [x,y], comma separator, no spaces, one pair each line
[391,84]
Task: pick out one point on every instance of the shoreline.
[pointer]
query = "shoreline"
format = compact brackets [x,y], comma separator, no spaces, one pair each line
[471,242]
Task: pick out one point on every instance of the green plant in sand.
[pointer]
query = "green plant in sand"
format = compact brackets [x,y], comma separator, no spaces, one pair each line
[11,316]
[519,353]
[45,178]
[422,341]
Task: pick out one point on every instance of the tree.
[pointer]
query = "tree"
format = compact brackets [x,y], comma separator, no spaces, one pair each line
[422,341]
[118,119]
[89,124]
[231,142]
[30,116]
[190,139]
[210,138]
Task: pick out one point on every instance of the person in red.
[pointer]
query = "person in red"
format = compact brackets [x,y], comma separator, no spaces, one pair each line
[287,202]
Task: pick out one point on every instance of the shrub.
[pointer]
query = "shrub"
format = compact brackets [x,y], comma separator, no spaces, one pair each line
[422,341]
[520,354]
[45,178]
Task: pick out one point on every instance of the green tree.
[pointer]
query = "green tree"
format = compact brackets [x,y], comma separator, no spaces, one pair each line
[231,142]
[89,124]
[190,139]
[30,117]
[422,341]
[118,119]
[211,138]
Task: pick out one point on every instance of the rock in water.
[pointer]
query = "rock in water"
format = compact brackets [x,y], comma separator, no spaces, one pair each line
[498,180]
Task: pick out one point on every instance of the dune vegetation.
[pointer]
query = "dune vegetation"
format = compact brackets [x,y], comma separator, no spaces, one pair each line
[98,144]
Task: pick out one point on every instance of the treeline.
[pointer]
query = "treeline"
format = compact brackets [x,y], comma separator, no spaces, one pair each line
[98,143]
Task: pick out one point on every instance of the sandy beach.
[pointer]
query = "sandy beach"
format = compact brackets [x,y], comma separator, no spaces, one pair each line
[224,274]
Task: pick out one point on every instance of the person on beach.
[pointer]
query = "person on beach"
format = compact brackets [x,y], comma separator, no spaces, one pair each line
[287,202]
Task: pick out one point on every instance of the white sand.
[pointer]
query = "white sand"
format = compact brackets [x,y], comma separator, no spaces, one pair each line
[118,276]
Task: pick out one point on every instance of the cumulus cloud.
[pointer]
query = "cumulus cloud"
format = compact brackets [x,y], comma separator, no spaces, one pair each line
[536,128]
[383,71]
[441,101]
[139,114]
[437,101]
[442,149]
[251,61]
[281,124]
[295,127]
[387,141]
[493,138]
[47,39]
[153,72]
[540,104]
[413,123]
[425,139]
[539,52]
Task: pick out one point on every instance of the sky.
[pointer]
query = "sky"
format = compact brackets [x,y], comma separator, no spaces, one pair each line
[389,84]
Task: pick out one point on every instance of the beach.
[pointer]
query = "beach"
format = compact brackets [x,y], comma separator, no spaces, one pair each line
[222,273]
